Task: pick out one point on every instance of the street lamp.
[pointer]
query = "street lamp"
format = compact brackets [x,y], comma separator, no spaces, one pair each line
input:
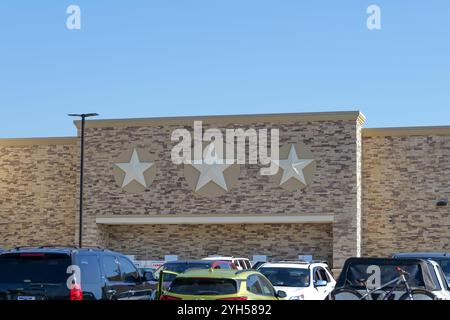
[83,117]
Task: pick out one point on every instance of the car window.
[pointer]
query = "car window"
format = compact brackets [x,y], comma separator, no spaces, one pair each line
[266,286]
[442,276]
[128,271]
[445,265]
[34,268]
[249,265]
[224,265]
[254,284]
[287,277]
[89,268]
[203,286]
[111,268]
[320,274]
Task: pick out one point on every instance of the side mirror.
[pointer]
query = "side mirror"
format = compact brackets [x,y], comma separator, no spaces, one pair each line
[320,283]
[281,294]
[148,276]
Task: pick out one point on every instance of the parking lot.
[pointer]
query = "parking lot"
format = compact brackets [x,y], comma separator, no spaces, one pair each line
[68,273]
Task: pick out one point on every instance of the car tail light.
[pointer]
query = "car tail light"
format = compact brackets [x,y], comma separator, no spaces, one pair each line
[76,294]
[235,298]
[164,297]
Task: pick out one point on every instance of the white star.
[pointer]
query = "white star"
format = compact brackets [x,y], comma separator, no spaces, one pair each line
[134,170]
[211,169]
[293,167]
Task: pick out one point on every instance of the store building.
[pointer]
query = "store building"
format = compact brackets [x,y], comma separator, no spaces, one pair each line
[351,191]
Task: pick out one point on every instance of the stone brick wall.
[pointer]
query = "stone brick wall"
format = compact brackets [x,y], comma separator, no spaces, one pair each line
[403,178]
[37,194]
[278,241]
[335,190]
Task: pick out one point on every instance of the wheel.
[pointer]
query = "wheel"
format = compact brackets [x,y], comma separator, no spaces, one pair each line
[345,294]
[418,294]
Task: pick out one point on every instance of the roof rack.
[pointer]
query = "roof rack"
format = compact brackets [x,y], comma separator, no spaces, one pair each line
[290,261]
[61,247]
[298,261]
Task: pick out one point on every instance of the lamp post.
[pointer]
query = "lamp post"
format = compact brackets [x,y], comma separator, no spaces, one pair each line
[83,117]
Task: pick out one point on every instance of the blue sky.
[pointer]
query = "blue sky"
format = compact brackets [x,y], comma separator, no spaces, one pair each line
[195,57]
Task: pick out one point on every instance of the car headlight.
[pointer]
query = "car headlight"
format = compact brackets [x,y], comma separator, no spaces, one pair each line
[299,297]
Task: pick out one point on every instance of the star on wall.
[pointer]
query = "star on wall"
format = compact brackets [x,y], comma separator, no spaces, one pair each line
[134,170]
[211,170]
[293,167]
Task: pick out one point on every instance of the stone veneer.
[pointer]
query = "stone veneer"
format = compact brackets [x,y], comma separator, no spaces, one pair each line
[279,241]
[402,173]
[335,189]
[37,191]
[403,178]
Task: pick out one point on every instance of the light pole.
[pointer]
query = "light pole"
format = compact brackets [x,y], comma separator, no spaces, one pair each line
[83,117]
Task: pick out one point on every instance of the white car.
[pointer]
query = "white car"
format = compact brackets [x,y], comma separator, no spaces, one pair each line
[240,263]
[300,280]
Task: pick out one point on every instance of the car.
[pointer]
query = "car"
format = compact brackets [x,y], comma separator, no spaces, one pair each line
[240,263]
[420,274]
[443,259]
[181,266]
[70,273]
[300,280]
[216,284]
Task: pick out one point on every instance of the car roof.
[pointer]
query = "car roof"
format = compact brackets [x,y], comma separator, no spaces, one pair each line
[284,265]
[58,250]
[223,258]
[422,255]
[217,273]
[191,262]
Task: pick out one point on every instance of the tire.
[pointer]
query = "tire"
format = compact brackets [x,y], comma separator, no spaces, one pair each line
[419,294]
[344,294]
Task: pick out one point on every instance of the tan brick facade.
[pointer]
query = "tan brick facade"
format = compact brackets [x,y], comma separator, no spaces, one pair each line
[334,190]
[37,192]
[279,241]
[380,187]
[404,177]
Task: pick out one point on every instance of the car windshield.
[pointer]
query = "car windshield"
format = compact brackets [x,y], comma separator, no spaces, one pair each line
[34,268]
[203,286]
[383,273]
[180,268]
[287,277]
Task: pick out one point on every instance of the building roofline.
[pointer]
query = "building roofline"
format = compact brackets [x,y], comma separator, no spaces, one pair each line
[23,142]
[227,119]
[406,131]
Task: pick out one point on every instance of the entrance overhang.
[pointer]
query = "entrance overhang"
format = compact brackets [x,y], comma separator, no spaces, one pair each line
[214,219]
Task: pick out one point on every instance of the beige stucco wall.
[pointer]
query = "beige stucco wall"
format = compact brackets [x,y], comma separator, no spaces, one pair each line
[403,178]
[37,191]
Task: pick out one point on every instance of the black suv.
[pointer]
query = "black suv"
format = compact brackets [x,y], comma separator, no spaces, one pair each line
[47,273]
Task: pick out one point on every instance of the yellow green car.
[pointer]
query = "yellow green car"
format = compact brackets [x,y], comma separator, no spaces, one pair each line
[219,284]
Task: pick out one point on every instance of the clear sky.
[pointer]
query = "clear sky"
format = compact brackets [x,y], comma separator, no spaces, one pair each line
[197,57]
